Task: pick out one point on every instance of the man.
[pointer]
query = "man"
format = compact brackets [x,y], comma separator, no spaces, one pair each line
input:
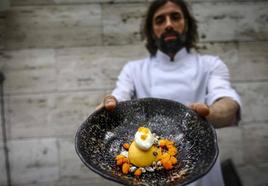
[174,72]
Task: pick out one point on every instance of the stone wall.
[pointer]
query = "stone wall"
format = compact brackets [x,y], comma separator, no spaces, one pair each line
[60,57]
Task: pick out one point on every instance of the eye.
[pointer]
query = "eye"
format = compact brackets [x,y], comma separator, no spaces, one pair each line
[176,16]
[159,20]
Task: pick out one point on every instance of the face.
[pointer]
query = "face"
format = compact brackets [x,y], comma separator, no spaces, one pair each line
[167,18]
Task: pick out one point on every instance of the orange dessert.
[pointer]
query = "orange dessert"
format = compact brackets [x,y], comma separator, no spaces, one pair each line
[147,153]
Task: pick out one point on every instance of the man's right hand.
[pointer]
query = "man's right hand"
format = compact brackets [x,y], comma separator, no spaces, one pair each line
[109,103]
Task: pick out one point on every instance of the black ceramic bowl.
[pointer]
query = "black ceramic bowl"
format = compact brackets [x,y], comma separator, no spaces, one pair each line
[100,138]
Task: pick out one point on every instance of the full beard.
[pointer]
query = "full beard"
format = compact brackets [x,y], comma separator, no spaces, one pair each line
[173,46]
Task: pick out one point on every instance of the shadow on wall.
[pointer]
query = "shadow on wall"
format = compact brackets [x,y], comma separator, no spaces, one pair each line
[230,175]
[4,5]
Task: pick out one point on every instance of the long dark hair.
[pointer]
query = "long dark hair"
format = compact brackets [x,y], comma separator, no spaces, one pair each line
[191,24]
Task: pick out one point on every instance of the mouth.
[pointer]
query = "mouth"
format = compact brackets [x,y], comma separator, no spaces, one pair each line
[170,38]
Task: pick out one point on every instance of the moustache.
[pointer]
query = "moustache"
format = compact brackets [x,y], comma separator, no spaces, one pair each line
[169,33]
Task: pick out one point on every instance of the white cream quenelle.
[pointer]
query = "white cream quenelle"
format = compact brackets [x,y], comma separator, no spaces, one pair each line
[144,138]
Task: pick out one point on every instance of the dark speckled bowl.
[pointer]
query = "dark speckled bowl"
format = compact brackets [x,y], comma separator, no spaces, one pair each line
[99,139]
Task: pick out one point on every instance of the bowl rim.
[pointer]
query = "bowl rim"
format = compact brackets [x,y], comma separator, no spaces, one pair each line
[121,181]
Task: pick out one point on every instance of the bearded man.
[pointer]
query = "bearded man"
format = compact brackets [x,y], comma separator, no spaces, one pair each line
[174,71]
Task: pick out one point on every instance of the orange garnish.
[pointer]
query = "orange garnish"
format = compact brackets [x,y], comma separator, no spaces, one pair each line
[164,160]
[120,159]
[173,160]
[165,155]
[167,165]
[172,151]
[125,168]
[125,160]
[126,146]
[138,172]
[162,143]
[119,162]
[167,158]
[120,156]
[168,143]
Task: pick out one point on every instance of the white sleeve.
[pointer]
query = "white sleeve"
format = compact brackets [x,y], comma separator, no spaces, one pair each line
[219,83]
[124,86]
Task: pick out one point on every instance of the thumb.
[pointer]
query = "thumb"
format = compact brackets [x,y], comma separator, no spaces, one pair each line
[201,108]
[109,102]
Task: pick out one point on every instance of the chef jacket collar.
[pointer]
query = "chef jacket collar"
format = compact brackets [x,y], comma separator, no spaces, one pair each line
[161,56]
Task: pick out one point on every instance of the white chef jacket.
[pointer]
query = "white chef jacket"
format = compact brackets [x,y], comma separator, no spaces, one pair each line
[189,78]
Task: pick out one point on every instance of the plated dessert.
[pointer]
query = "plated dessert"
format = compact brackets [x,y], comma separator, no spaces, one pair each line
[146,153]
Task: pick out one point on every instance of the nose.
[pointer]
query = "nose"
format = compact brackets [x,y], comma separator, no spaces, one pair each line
[169,24]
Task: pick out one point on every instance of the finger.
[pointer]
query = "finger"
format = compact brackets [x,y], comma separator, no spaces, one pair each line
[191,106]
[202,109]
[110,103]
[99,106]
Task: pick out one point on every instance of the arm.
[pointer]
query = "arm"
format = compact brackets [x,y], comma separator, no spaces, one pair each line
[223,101]
[222,113]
